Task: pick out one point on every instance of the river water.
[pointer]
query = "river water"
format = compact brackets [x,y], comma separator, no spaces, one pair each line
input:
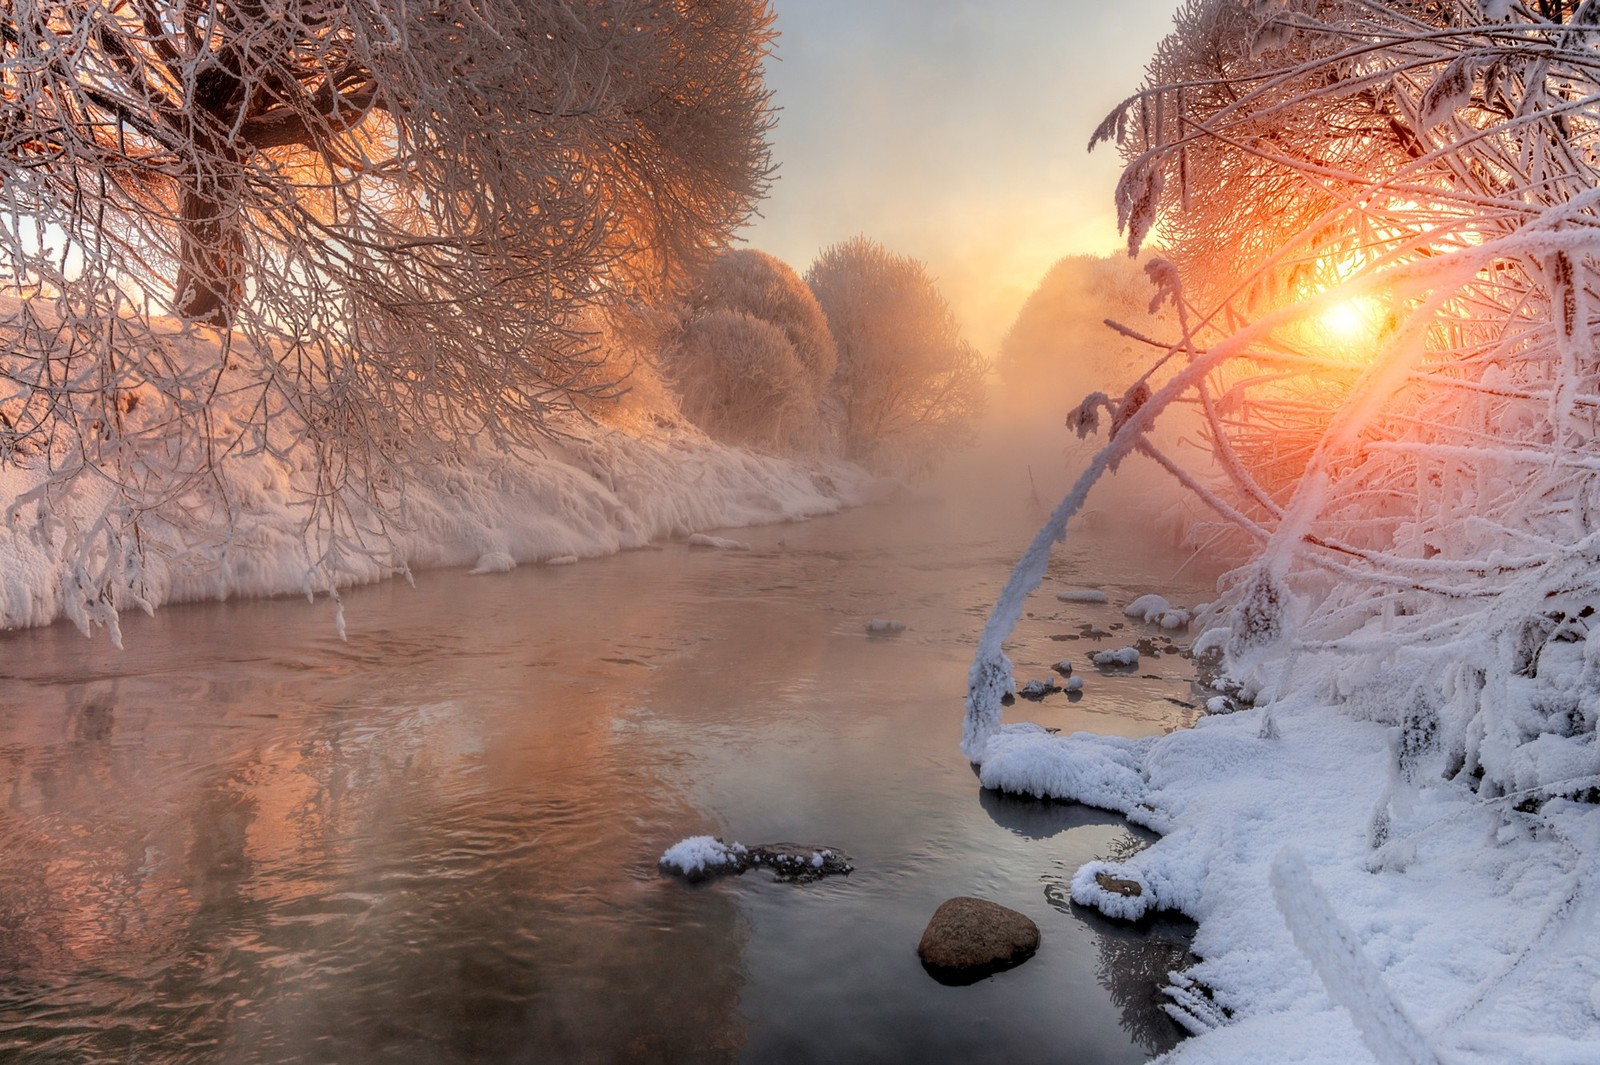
[241,840]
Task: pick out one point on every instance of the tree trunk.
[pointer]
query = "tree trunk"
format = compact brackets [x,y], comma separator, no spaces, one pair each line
[211,241]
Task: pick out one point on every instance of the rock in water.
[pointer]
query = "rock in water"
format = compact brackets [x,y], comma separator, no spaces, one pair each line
[1125,888]
[969,939]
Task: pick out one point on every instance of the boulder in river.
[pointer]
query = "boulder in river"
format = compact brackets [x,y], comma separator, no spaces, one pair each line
[969,939]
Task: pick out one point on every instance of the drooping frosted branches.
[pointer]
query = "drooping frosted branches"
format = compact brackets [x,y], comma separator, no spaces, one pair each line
[1420,483]
[396,213]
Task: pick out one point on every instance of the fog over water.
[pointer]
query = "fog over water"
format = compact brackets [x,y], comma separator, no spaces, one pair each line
[242,840]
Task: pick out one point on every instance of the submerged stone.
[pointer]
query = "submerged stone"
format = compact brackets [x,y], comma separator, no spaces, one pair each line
[969,939]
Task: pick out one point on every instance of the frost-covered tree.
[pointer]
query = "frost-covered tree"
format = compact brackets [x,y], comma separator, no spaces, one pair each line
[1060,345]
[765,287]
[1380,220]
[398,214]
[755,356]
[741,380]
[911,387]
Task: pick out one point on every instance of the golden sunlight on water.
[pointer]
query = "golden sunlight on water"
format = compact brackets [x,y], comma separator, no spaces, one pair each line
[242,840]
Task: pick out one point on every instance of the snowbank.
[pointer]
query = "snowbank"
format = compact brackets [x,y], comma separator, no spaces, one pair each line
[594,492]
[1427,924]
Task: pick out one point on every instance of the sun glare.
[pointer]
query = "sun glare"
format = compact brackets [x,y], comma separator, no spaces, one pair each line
[1353,325]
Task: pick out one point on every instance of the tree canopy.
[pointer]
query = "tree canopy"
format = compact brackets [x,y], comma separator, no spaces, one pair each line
[400,215]
[911,386]
[1377,222]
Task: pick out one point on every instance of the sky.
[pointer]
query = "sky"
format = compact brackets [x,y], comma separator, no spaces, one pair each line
[953,131]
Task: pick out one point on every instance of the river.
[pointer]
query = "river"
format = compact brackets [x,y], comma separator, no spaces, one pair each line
[242,840]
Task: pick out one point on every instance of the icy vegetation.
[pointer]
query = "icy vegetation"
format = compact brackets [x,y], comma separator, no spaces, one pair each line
[77,548]
[1390,342]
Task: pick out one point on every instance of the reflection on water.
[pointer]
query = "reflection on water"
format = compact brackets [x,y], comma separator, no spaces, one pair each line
[244,841]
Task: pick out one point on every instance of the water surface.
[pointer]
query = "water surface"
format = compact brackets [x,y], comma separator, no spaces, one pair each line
[241,840]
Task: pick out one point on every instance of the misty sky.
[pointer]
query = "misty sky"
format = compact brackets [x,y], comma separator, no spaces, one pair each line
[953,131]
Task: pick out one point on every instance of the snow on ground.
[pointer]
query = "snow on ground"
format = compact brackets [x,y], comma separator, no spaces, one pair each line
[1082,595]
[717,543]
[1345,914]
[595,492]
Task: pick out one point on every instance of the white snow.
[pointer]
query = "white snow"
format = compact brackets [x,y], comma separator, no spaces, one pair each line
[1464,932]
[562,560]
[1097,770]
[1073,684]
[717,543]
[1121,656]
[698,854]
[1082,595]
[1341,961]
[1086,891]
[1156,610]
[1147,608]
[493,562]
[596,491]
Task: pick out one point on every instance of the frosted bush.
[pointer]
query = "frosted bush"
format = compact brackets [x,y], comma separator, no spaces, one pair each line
[910,386]
[741,381]
[765,287]
[1060,338]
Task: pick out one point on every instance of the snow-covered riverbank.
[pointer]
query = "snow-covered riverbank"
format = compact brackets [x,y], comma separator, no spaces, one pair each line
[1455,928]
[595,491]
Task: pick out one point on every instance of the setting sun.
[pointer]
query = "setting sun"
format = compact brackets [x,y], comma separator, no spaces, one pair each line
[1352,324]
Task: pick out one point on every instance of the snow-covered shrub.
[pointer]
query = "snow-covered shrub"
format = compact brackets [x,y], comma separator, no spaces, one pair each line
[740,380]
[378,221]
[765,287]
[912,389]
